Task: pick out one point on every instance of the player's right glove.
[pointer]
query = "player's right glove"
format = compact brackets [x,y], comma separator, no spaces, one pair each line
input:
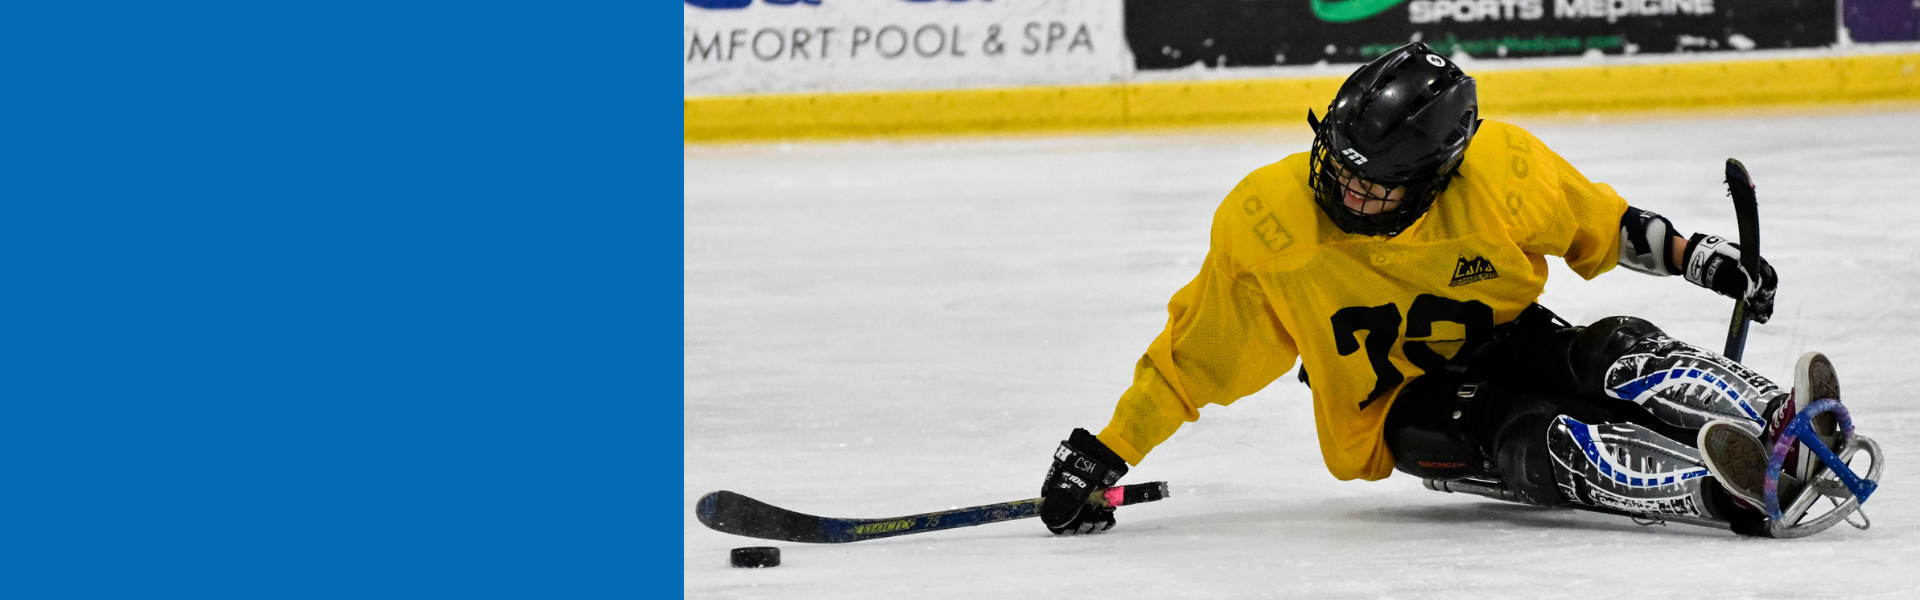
[1081,467]
[1712,262]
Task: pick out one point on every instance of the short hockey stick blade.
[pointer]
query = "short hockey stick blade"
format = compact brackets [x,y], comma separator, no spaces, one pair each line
[727,512]
[1746,212]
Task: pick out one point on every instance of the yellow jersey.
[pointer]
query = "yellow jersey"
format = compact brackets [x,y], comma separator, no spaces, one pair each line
[1365,315]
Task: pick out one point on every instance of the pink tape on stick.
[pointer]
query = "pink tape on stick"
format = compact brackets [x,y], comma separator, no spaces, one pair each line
[1116,496]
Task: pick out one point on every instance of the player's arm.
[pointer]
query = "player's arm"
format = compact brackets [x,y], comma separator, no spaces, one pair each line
[1606,231]
[1649,244]
[1222,342]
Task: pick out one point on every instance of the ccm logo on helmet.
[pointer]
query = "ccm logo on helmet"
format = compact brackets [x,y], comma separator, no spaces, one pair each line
[1354,156]
[1436,60]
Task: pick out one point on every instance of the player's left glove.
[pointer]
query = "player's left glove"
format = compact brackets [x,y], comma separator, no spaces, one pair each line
[1081,466]
[1712,262]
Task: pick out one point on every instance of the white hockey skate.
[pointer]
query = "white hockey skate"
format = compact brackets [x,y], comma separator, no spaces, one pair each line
[1810,452]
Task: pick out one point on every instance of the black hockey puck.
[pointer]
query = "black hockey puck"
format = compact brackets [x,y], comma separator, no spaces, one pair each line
[756,556]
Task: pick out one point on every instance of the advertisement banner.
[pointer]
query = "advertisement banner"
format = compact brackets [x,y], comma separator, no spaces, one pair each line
[1173,34]
[1882,20]
[785,46]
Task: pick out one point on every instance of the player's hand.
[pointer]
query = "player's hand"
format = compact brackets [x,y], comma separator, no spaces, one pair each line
[1712,262]
[1081,466]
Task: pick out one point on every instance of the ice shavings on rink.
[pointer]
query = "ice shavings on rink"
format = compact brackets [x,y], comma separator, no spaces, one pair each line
[880,329]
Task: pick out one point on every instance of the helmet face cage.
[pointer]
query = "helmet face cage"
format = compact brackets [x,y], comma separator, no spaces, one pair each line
[1325,174]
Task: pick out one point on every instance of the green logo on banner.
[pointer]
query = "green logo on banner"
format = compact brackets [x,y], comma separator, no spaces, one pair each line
[1347,11]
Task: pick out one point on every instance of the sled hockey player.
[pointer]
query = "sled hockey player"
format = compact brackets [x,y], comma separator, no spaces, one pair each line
[1400,260]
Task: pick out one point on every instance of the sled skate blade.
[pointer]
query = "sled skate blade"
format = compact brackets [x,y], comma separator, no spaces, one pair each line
[1835,468]
[1497,491]
[1483,488]
[1828,500]
[1839,479]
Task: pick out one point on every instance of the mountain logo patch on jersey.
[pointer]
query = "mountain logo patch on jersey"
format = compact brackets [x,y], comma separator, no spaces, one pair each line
[1469,270]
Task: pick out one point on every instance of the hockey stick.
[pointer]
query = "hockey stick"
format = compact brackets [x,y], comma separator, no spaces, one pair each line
[1746,211]
[727,512]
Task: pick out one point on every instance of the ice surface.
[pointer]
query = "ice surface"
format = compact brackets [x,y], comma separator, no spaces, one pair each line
[880,329]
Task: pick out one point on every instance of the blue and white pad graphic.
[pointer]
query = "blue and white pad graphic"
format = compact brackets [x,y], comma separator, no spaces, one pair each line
[1604,462]
[1686,386]
[1647,388]
[1626,467]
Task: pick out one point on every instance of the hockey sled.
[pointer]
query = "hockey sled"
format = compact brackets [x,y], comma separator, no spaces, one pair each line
[1834,494]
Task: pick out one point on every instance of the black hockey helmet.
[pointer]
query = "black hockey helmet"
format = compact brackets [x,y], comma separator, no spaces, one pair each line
[1401,121]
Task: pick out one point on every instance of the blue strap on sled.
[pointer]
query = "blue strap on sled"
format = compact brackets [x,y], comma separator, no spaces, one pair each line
[1801,430]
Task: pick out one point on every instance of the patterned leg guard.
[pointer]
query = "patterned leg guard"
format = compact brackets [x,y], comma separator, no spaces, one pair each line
[1635,454]
[1628,468]
[1681,384]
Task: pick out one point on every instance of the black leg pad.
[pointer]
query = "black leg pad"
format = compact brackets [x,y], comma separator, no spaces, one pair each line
[1427,439]
[1600,344]
[1525,466]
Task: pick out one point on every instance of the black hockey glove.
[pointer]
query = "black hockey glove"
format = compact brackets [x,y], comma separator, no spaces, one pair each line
[1081,467]
[1712,262]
